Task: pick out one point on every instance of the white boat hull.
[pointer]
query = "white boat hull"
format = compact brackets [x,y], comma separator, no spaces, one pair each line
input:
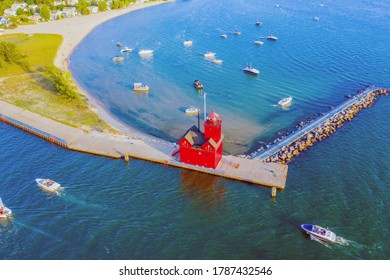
[50,187]
[285,102]
[5,213]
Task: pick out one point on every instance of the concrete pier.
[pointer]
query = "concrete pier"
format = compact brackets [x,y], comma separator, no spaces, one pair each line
[119,146]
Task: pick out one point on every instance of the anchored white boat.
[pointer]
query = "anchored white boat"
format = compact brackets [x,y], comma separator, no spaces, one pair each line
[140,87]
[316,18]
[187,43]
[319,232]
[259,23]
[217,61]
[258,42]
[4,211]
[145,52]
[118,58]
[236,32]
[223,36]
[250,70]
[285,102]
[209,55]
[126,50]
[48,185]
[192,111]
[272,37]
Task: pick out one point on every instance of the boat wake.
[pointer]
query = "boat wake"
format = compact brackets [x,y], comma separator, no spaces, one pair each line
[347,247]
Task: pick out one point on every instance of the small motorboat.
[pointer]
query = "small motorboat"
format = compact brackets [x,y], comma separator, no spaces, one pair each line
[259,23]
[119,44]
[285,102]
[223,36]
[272,37]
[258,42]
[197,84]
[316,18]
[192,110]
[236,32]
[126,50]
[118,58]
[4,211]
[140,87]
[48,185]
[319,232]
[250,70]
[187,43]
[143,52]
[209,54]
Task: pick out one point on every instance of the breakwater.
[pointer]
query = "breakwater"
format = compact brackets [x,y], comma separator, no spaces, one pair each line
[285,148]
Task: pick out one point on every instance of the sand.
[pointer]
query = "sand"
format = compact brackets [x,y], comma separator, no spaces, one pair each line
[73,30]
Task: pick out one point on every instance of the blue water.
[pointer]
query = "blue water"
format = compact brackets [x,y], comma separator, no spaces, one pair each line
[147,211]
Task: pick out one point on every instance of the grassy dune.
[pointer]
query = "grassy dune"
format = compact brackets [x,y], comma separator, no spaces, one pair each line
[33,90]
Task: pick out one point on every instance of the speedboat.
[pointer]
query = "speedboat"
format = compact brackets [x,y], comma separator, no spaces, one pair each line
[192,110]
[48,185]
[223,36]
[118,58]
[285,102]
[209,55]
[140,87]
[258,42]
[187,43]
[259,23]
[197,84]
[119,44]
[316,18]
[143,52]
[126,50]
[236,32]
[272,37]
[217,61]
[250,70]
[4,211]
[319,232]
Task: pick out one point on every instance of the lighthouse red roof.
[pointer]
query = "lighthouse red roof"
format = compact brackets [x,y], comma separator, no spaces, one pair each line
[213,115]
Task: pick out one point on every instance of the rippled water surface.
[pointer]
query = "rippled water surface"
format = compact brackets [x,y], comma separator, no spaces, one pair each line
[147,211]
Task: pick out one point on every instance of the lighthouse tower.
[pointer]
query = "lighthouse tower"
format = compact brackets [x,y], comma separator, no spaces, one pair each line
[203,149]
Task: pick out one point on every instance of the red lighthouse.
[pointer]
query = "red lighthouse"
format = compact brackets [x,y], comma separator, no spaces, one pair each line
[203,149]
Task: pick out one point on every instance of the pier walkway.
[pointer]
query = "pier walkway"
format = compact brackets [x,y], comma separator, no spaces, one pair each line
[119,146]
[303,131]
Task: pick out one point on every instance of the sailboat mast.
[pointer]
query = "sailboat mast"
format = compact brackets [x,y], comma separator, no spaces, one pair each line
[204,106]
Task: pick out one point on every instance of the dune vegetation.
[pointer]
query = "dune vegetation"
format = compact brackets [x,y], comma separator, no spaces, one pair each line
[29,79]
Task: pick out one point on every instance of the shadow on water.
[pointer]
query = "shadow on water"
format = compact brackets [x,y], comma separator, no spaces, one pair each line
[203,189]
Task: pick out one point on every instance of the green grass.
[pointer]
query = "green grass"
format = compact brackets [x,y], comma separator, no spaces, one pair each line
[39,49]
[33,90]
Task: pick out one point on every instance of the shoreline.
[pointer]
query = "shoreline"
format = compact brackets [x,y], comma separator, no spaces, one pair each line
[73,30]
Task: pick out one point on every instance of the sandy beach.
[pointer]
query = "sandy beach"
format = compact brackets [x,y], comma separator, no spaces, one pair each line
[73,30]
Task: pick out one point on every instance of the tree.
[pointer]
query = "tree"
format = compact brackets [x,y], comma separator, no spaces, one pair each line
[102,5]
[19,12]
[63,84]
[82,7]
[10,53]
[45,12]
